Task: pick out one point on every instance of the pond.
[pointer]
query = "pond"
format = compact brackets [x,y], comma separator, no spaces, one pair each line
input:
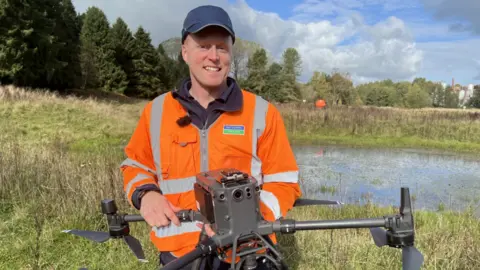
[437,180]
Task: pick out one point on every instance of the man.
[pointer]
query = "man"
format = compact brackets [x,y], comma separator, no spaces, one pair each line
[209,122]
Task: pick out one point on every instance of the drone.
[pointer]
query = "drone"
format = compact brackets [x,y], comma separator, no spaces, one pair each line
[226,196]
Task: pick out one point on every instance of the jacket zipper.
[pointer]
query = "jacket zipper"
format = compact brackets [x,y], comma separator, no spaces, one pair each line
[204,153]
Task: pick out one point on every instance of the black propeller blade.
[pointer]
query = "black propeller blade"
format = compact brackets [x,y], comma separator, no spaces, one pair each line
[412,259]
[98,237]
[400,233]
[135,247]
[379,236]
[117,228]
[101,237]
[304,202]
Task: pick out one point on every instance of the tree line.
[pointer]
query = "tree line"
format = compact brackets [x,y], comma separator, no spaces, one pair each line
[47,44]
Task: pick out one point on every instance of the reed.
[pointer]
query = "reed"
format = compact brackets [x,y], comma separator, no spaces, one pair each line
[387,127]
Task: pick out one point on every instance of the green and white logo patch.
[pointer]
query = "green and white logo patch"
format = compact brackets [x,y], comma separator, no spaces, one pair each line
[234,129]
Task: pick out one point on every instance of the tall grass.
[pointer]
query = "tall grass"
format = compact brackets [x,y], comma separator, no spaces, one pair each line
[60,157]
[372,126]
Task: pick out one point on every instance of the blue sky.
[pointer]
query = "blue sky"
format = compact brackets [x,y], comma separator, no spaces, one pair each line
[431,32]
[370,39]
[411,11]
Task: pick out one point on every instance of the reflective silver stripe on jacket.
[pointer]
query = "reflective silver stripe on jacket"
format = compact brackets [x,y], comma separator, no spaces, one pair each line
[172,229]
[133,163]
[156,115]
[288,177]
[139,177]
[271,201]
[179,185]
[259,123]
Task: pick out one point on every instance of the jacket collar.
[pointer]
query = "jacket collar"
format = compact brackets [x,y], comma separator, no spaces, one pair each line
[230,100]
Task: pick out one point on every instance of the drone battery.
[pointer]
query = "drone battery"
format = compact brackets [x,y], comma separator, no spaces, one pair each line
[204,202]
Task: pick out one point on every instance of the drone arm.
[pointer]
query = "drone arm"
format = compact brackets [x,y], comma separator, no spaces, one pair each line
[291,226]
[205,247]
[183,216]
[133,218]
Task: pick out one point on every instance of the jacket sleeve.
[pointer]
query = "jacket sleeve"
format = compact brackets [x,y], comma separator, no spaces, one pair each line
[138,169]
[279,168]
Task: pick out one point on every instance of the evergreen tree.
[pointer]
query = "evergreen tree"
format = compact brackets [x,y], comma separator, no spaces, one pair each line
[124,46]
[257,70]
[97,39]
[28,47]
[168,71]
[67,30]
[145,81]
[274,83]
[291,70]
[15,27]
[182,69]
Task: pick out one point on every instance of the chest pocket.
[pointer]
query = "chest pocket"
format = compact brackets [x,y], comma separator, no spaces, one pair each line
[233,151]
[183,155]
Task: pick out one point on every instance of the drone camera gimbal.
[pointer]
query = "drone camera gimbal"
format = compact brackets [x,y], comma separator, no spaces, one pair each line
[229,200]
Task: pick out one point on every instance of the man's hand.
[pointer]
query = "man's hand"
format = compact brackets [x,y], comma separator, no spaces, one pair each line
[208,229]
[157,210]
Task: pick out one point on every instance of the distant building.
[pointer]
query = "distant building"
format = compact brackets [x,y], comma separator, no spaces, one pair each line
[465,93]
[444,85]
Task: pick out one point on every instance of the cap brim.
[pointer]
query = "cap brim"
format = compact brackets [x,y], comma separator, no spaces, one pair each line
[199,27]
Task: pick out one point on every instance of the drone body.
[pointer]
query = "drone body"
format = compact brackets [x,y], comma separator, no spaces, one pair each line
[224,198]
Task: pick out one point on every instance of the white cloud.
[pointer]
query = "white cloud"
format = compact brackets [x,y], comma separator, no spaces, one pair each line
[384,50]
[427,31]
[458,21]
[462,14]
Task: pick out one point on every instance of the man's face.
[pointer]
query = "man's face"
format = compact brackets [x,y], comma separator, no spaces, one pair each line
[208,54]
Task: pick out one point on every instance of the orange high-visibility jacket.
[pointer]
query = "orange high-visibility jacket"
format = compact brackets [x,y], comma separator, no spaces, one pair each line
[252,140]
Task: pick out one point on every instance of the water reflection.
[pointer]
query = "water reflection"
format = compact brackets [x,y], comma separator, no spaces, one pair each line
[436,180]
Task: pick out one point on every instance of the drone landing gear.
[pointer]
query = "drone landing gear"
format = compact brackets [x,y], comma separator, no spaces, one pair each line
[247,247]
[250,257]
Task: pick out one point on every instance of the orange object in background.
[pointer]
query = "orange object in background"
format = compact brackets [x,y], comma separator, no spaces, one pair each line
[320,103]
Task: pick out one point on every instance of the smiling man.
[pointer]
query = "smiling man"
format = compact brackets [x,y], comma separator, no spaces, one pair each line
[208,123]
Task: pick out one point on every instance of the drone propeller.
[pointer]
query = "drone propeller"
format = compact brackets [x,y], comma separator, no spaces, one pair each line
[411,257]
[118,228]
[379,236]
[101,237]
[98,237]
[305,202]
[135,247]
[401,235]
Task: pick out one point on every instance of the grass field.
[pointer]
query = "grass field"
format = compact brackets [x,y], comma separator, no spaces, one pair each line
[60,157]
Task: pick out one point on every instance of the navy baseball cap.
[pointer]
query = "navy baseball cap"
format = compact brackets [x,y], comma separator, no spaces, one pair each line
[204,16]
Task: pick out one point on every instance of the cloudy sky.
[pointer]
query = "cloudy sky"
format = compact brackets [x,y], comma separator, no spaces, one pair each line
[370,39]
